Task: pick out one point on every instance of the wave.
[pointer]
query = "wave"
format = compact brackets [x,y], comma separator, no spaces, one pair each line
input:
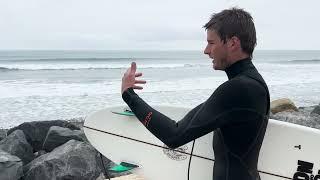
[8,69]
[306,61]
[90,59]
[64,59]
[93,67]
[300,61]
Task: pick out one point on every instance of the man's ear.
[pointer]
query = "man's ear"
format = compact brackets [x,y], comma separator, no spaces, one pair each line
[234,43]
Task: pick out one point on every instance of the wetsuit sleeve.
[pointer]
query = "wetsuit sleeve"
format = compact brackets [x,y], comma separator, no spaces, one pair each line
[229,101]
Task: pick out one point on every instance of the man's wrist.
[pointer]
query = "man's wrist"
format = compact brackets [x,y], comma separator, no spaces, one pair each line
[127,95]
[129,90]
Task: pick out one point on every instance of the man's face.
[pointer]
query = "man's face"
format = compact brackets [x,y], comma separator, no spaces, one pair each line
[216,50]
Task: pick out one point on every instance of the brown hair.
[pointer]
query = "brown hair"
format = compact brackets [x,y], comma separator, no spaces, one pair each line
[234,22]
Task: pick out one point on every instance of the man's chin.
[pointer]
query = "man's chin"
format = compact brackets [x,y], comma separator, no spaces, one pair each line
[214,67]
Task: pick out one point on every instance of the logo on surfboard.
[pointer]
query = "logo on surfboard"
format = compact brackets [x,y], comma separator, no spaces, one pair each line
[304,171]
[177,154]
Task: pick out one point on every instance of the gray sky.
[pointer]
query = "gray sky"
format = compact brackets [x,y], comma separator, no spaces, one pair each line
[149,24]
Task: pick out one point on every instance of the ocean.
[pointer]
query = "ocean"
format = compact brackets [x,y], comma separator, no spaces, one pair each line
[50,85]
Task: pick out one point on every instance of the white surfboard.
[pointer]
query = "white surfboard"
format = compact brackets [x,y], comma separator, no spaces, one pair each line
[289,151]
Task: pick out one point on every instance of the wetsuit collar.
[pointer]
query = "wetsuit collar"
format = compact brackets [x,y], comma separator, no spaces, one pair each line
[238,67]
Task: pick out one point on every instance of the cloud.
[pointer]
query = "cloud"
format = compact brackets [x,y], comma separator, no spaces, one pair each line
[125,24]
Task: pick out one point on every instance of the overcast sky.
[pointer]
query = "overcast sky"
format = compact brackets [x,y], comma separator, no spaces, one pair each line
[150,24]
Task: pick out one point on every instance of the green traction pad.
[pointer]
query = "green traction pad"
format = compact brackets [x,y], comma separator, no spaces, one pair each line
[123,167]
[125,113]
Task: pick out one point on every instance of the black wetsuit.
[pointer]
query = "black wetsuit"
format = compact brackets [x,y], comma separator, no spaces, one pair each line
[237,112]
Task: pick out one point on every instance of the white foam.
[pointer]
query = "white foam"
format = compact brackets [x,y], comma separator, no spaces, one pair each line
[96,65]
[45,99]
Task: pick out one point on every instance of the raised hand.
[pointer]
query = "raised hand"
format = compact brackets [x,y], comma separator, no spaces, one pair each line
[129,79]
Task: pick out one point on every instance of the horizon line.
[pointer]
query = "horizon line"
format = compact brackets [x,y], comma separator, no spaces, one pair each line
[146,50]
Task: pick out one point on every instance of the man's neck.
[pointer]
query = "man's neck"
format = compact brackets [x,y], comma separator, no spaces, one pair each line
[237,57]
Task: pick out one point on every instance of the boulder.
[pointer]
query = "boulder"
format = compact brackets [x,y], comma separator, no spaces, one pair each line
[3,133]
[39,153]
[301,117]
[72,160]
[58,135]
[101,177]
[16,144]
[10,166]
[281,105]
[36,131]
[77,122]
[316,110]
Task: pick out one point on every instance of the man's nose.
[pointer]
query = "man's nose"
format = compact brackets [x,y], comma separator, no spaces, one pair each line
[206,50]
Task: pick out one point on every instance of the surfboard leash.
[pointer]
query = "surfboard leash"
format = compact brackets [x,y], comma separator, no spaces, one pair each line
[104,168]
[190,159]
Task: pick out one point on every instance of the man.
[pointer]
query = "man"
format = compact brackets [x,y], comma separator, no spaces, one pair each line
[237,111]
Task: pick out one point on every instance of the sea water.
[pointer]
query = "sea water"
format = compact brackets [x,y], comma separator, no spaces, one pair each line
[49,85]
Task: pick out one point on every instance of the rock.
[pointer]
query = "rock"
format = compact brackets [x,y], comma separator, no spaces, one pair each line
[72,160]
[301,117]
[36,131]
[16,144]
[316,110]
[282,105]
[3,133]
[77,122]
[307,108]
[10,166]
[101,177]
[39,153]
[58,135]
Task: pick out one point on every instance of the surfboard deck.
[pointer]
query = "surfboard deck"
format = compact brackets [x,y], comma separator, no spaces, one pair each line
[288,149]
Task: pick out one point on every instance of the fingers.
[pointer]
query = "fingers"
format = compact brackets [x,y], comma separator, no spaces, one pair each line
[138,74]
[132,70]
[133,67]
[140,82]
[137,87]
[128,78]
